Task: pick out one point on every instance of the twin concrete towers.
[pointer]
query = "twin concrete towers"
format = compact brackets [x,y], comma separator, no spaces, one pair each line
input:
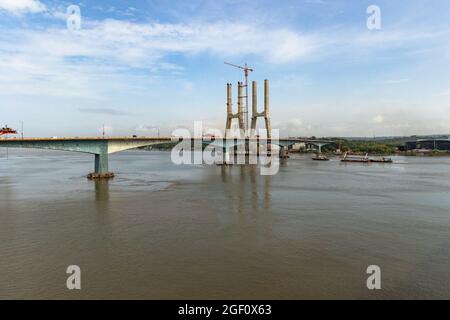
[255,114]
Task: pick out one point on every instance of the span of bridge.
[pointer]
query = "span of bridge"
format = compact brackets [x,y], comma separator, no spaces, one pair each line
[102,147]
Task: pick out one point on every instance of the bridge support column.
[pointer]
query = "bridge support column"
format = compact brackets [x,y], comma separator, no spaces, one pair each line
[226,156]
[320,148]
[101,163]
[101,168]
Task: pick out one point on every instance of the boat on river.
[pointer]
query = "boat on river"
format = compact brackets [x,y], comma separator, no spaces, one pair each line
[320,157]
[355,158]
[365,159]
[382,160]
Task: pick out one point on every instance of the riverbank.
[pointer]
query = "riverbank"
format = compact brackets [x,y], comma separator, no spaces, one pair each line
[430,153]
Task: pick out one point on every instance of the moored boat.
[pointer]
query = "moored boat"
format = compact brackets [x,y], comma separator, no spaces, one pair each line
[355,158]
[320,157]
[381,160]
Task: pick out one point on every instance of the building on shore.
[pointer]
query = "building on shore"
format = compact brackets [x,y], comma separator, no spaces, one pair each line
[428,144]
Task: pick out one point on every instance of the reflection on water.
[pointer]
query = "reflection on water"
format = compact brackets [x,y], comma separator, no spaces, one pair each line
[101,190]
[163,231]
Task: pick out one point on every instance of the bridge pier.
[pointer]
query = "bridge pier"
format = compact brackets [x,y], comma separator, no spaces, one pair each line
[320,148]
[101,163]
[101,168]
[226,156]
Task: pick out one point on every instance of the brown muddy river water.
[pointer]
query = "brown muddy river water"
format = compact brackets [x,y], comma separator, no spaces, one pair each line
[160,231]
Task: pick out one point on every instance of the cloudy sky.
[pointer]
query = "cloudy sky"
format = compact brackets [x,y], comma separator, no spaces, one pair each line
[138,65]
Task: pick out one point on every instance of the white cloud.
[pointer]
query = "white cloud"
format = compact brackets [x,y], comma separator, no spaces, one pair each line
[133,43]
[396,81]
[58,62]
[22,6]
[220,38]
[291,127]
[56,56]
[378,119]
[290,46]
[100,59]
[445,93]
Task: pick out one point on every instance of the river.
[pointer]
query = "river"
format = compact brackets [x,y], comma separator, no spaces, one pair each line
[161,231]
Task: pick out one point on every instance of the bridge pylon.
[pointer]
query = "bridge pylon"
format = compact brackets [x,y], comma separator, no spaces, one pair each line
[264,114]
[230,115]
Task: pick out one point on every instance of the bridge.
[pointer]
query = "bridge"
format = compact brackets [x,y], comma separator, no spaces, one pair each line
[101,148]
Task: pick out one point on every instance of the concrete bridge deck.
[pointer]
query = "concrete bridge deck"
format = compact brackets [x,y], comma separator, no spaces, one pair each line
[102,147]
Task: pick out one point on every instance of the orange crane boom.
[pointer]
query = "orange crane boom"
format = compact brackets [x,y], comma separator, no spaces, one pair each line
[245,68]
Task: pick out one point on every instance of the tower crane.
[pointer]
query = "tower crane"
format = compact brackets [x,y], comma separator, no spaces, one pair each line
[246,71]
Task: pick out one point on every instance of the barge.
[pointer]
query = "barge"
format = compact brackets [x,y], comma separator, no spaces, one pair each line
[381,160]
[355,158]
[365,159]
[320,157]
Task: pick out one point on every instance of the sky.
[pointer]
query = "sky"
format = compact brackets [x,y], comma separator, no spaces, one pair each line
[139,66]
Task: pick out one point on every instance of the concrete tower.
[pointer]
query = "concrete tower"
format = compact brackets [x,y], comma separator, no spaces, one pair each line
[265,113]
[230,115]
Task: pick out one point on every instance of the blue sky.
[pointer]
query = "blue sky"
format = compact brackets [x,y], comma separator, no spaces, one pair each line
[139,65]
